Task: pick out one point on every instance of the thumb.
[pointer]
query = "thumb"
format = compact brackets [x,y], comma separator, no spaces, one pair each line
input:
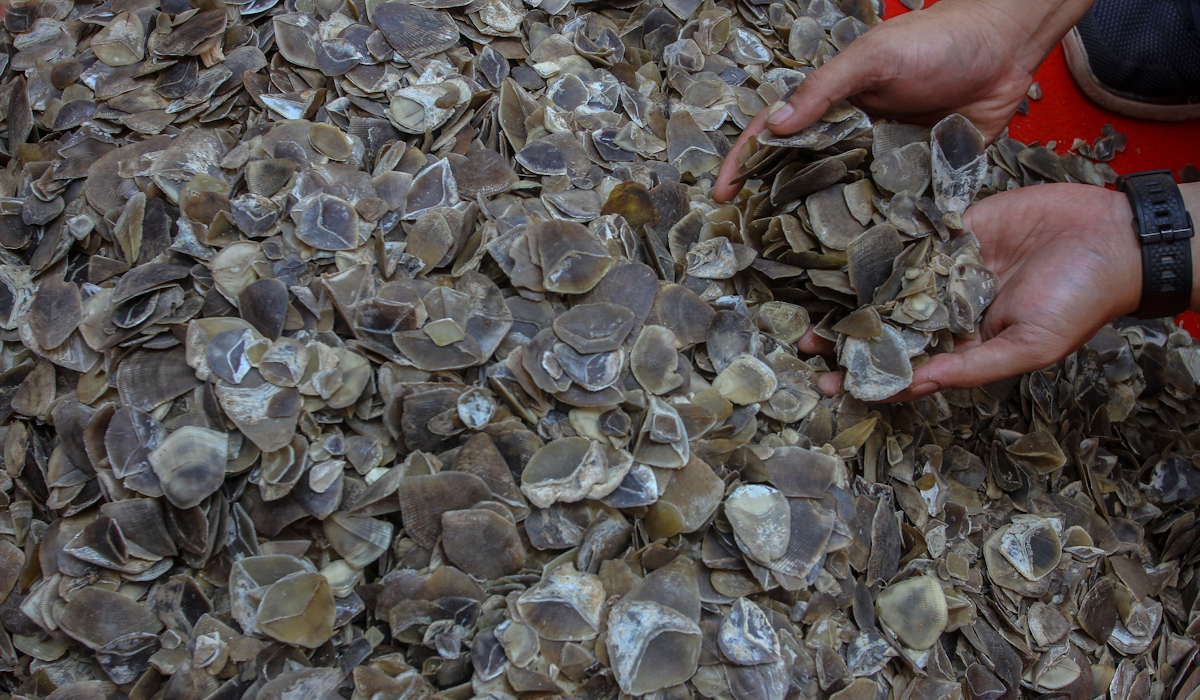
[841,77]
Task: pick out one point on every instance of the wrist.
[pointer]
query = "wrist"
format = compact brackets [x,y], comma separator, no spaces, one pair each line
[1191,199]
[1167,297]
[1127,251]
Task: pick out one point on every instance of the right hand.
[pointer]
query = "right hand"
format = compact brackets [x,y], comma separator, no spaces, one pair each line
[974,57]
[1068,262]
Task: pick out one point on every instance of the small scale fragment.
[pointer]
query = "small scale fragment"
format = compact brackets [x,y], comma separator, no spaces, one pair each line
[959,165]
[915,610]
[571,469]
[657,619]
[298,609]
[876,368]
[190,464]
[746,637]
[761,520]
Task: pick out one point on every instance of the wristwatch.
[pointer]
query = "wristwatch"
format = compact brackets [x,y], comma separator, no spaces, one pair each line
[1164,229]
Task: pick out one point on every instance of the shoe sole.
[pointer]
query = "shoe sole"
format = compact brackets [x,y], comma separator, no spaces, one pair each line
[1081,71]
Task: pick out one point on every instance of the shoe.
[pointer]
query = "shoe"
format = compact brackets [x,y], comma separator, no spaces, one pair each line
[1140,58]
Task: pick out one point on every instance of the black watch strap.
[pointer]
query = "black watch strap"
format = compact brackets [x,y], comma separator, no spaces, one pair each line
[1164,231]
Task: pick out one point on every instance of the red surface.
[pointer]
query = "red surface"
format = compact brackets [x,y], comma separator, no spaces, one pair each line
[1064,113]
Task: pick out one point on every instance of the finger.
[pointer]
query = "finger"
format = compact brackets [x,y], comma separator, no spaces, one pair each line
[979,219]
[830,383]
[1006,355]
[728,185]
[842,76]
[813,344]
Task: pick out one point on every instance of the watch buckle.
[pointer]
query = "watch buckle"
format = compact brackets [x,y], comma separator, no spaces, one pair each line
[1171,234]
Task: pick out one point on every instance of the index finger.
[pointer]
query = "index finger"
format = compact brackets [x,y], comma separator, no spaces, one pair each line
[846,74]
[728,184]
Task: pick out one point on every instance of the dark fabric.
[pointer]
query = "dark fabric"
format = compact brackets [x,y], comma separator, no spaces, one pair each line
[1148,50]
[1191,11]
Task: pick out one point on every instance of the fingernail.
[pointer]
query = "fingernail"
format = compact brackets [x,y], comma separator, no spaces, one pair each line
[779,113]
[925,388]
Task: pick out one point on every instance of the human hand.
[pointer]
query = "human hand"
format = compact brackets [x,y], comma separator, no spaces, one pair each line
[1068,262]
[974,57]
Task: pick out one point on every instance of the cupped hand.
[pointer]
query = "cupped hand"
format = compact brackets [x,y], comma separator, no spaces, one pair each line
[1068,263]
[967,56]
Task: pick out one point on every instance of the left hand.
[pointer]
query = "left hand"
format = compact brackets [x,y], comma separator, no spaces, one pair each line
[973,57]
